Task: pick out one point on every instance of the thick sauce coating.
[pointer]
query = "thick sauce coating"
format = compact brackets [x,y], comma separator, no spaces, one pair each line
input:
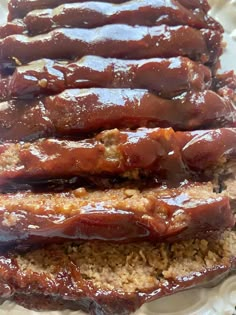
[63,273]
[94,14]
[11,28]
[146,152]
[79,112]
[167,77]
[122,214]
[19,8]
[115,41]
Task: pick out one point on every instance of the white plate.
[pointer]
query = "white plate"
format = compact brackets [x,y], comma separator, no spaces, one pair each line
[220,300]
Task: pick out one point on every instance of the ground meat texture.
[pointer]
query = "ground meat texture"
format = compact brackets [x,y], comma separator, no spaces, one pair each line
[111,278]
[115,41]
[130,154]
[230,190]
[166,77]
[226,183]
[120,214]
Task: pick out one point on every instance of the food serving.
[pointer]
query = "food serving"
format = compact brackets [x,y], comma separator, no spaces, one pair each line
[117,153]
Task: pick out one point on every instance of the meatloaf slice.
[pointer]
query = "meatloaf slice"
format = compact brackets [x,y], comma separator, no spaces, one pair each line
[145,152]
[119,214]
[19,8]
[167,77]
[78,113]
[109,41]
[104,278]
[94,14]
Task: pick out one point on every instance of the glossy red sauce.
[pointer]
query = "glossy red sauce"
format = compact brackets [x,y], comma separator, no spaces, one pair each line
[19,8]
[117,41]
[90,15]
[173,215]
[167,77]
[160,152]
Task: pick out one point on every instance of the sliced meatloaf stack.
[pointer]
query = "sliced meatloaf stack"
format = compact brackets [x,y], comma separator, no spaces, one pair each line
[117,153]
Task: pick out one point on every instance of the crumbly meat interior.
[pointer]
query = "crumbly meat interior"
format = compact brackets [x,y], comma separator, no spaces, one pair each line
[127,198]
[230,191]
[131,267]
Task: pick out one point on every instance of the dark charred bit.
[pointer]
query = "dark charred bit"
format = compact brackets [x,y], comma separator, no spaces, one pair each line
[7,68]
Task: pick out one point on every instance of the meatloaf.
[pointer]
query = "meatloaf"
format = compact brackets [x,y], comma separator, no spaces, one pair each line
[104,278]
[117,153]
[144,152]
[119,214]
